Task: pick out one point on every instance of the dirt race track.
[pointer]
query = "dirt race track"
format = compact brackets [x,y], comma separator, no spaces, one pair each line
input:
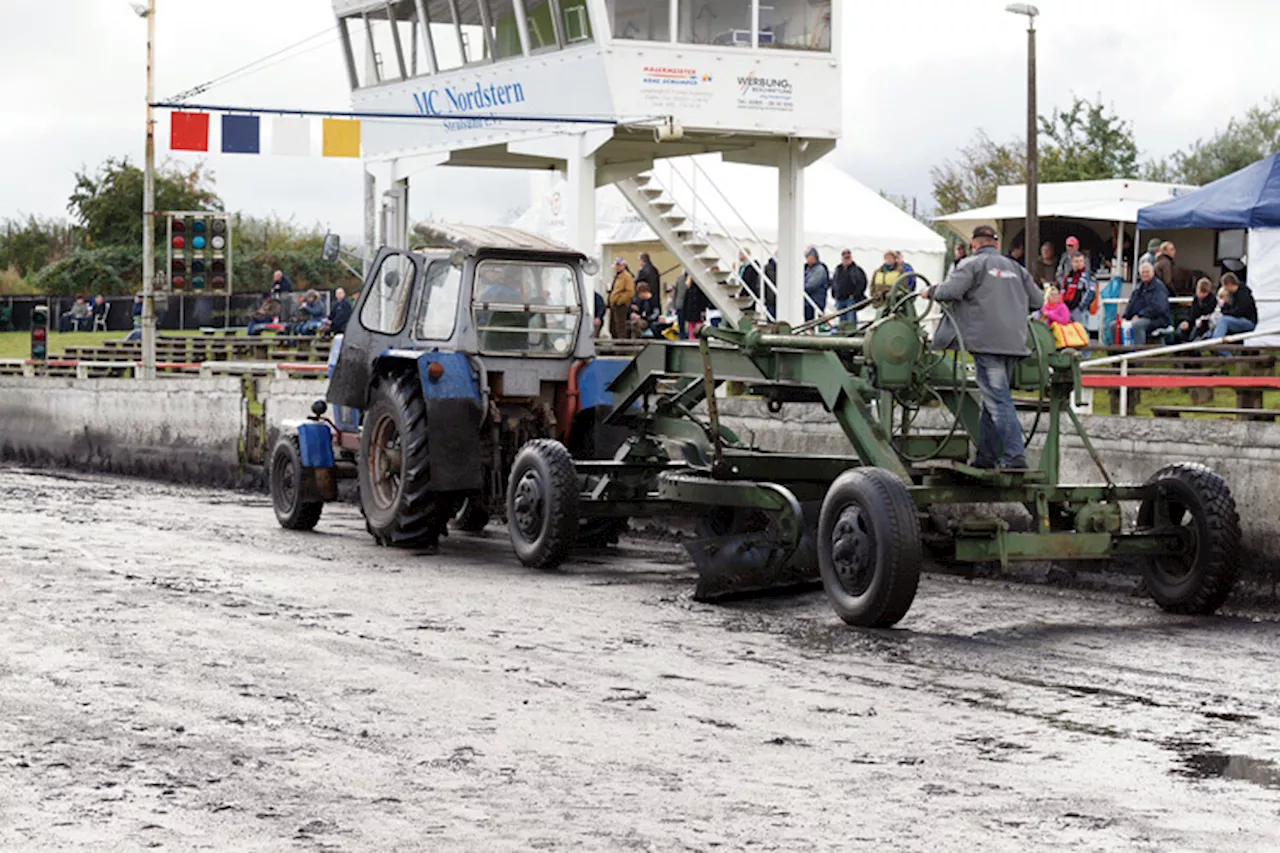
[178,673]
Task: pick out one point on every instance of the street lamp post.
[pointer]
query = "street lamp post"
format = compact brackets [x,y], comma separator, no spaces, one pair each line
[1032,238]
[149,204]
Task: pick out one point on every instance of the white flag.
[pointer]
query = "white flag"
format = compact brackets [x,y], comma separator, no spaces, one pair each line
[291,136]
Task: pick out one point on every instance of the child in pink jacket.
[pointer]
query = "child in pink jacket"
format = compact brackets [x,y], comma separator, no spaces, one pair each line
[1055,311]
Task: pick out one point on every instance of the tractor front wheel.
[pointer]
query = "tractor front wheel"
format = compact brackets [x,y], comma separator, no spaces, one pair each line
[394,470]
[1192,501]
[542,504]
[292,511]
[869,550]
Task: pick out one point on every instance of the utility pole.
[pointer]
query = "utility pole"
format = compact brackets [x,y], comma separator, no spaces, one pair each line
[1032,247]
[149,208]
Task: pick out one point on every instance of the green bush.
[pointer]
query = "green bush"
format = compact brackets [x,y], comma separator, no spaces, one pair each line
[110,270]
[252,271]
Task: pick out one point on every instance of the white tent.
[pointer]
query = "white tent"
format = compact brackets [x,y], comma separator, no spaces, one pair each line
[737,205]
[1096,205]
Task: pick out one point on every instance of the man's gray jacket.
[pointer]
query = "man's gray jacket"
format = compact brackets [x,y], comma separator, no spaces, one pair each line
[991,297]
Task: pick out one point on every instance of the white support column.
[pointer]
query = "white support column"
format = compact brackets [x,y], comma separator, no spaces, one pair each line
[398,196]
[582,201]
[370,221]
[791,234]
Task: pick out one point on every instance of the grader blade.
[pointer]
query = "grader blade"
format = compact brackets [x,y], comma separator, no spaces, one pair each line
[742,564]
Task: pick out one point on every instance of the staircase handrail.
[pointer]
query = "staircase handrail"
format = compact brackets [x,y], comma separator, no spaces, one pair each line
[761,299]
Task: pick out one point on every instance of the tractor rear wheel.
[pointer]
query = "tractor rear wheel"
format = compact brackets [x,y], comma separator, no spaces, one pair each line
[542,504]
[292,511]
[394,468]
[869,550]
[1194,502]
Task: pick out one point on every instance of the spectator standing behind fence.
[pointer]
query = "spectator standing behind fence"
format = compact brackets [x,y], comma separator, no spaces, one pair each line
[1018,254]
[1149,256]
[749,275]
[677,299]
[649,274]
[770,285]
[1044,267]
[1197,324]
[958,253]
[1148,306]
[817,280]
[1165,268]
[1077,288]
[848,284]
[990,298]
[1240,314]
[1054,311]
[621,291]
[695,307]
[1064,262]
[644,312]
[885,277]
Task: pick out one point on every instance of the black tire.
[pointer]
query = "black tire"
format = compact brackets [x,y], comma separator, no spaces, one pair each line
[869,550]
[542,504]
[292,512]
[473,517]
[394,468]
[1192,497]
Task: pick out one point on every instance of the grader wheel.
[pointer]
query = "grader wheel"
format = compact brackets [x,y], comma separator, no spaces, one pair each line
[869,548]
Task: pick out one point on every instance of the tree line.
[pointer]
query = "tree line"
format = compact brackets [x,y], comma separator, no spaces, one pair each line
[99,249]
[1088,141]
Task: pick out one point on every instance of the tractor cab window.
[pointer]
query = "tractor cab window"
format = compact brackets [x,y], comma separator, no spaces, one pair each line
[386,304]
[439,305]
[526,308]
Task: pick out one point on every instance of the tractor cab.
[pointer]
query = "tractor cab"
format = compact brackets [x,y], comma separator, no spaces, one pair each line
[513,303]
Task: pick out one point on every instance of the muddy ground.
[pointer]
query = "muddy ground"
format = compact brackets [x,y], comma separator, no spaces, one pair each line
[178,673]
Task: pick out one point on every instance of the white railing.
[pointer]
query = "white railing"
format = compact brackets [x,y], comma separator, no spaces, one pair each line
[766,284]
[1124,358]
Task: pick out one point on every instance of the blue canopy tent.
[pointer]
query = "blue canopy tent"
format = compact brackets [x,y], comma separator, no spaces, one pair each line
[1247,200]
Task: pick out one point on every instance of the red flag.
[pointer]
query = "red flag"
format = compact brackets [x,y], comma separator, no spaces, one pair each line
[188,131]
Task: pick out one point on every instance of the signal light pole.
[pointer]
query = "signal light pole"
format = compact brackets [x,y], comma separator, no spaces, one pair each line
[149,204]
[1031,240]
[40,333]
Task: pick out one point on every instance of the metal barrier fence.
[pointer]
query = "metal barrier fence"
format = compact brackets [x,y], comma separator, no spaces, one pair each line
[174,312]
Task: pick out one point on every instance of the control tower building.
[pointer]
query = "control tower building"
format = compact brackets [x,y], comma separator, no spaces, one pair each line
[600,89]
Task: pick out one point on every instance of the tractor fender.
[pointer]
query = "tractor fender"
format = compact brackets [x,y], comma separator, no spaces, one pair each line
[455,412]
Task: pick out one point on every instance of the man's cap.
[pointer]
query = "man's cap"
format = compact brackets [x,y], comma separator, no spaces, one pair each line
[1153,244]
[811,251]
[985,231]
[618,260]
[1072,241]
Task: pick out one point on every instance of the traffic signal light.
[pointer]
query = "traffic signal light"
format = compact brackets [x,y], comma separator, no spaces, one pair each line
[219,270]
[40,333]
[199,251]
[178,273]
[197,273]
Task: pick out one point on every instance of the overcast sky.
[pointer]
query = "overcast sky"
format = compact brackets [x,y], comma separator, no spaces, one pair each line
[920,76]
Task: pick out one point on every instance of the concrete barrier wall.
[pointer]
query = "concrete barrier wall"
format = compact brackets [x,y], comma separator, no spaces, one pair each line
[186,429]
[193,430]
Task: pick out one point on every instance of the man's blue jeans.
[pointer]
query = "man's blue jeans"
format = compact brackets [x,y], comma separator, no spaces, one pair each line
[1232,326]
[999,433]
[842,304]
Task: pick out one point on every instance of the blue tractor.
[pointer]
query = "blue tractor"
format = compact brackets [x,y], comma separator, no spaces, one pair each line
[454,359]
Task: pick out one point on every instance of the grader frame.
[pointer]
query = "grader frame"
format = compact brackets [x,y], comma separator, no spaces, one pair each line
[875,381]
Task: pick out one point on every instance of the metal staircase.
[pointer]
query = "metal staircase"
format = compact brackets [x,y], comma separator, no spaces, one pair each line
[692,246]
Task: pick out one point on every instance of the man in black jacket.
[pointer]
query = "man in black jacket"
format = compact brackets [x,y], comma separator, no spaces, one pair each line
[849,284]
[1240,314]
[648,273]
[340,313]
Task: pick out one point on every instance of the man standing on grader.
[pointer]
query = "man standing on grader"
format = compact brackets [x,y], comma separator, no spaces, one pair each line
[991,297]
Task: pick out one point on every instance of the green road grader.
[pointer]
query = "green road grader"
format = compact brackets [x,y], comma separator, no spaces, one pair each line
[862,521]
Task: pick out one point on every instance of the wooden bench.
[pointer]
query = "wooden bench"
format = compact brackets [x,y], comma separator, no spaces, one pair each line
[1238,414]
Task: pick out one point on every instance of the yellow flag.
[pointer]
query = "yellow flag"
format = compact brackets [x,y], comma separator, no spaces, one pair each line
[341,137]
